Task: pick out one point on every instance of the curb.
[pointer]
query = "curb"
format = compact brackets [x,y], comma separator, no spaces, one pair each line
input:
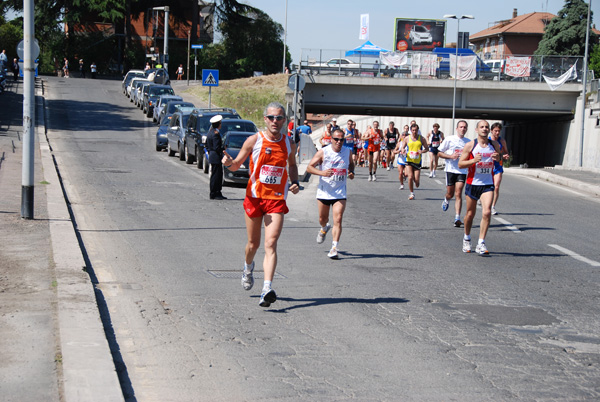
[88,369]
[557,179]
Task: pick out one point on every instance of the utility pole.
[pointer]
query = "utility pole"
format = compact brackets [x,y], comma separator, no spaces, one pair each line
[166,41]
[188,60]
[27,186]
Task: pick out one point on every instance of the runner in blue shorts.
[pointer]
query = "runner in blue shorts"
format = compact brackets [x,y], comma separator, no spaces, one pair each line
[498,169]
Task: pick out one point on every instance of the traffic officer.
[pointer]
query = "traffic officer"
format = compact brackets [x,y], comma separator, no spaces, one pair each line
[214,145]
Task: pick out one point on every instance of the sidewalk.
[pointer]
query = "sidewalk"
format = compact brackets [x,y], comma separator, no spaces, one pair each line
[53,342]
[585,181]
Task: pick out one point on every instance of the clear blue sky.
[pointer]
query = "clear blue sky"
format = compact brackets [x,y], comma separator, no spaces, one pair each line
[334,24]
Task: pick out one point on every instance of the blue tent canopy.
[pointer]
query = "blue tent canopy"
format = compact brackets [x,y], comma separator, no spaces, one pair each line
[367,49]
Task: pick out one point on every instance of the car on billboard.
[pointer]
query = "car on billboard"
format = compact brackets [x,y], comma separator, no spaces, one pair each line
[419,34]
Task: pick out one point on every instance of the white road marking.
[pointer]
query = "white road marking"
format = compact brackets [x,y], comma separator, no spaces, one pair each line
[438,181]
[576,256]
[568,190]
[508,225]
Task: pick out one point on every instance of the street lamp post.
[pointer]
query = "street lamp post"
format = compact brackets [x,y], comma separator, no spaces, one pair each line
[462,17]
[284,38]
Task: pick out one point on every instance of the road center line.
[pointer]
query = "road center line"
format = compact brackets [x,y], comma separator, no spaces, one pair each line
[576,256]
[508,225]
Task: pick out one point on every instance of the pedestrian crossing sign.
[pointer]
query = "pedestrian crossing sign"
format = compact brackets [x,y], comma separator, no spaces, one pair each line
[210,78]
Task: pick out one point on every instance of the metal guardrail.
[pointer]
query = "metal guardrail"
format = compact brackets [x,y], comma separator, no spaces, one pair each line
[324,61]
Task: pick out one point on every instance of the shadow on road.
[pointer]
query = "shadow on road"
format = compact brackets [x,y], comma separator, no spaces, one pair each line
[334,300]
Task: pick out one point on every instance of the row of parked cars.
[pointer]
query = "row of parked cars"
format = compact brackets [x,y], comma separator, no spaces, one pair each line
[182,127]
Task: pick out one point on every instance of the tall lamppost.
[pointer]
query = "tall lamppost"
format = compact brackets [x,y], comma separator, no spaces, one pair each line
[462,17]
[284,38]
[585,68]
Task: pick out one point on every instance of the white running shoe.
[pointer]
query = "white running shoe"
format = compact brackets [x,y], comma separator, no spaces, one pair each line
[494,212]
[370,177]
[401,186]
[267,297]
[388,168]
[333,254]
[411,196]
[374,177]
[481,249]
[431,175]
[323,233]
[466,246]
[248,278]
[445,205]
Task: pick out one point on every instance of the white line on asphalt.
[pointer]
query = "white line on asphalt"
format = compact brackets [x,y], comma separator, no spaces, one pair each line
[576,256]
[568,190]
[438,181]
[508,225]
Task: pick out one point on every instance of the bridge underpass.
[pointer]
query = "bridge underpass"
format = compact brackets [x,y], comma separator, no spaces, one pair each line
[537,121]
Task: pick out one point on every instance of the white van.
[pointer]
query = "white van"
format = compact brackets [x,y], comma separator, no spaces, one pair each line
[496,65]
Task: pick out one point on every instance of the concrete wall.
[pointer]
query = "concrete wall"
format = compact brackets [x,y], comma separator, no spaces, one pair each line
[591,144]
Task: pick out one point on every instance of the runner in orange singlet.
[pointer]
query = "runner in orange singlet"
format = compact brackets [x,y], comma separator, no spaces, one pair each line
[375,136]
[270,151]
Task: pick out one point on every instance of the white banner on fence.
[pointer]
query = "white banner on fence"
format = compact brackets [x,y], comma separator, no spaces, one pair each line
[364,27]
[394,59]
[518,66]
[467,67]
[555,83]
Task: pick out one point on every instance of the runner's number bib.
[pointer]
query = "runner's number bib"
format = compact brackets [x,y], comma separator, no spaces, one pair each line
[484,167]
[338,174]
[271,174]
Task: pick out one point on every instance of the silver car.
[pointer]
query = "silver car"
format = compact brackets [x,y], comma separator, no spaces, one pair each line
[160,103]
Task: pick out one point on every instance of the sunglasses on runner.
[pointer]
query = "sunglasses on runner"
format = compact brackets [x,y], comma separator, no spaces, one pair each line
[337,139]
[278,118]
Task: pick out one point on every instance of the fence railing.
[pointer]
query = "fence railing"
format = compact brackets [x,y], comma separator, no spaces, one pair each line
[334,62]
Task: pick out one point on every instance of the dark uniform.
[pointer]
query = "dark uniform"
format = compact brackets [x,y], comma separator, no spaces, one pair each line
[214,146]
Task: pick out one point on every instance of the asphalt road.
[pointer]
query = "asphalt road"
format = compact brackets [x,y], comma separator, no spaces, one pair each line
[403,315]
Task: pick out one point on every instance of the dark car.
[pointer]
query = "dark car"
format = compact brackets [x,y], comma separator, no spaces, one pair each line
[158,76]
[172,106]
[154,92]
[240,125]
[197,128]
[176,138]
[161,134]
[233,142]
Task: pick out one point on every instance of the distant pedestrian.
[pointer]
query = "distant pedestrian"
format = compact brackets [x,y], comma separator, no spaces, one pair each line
[15,69]
[3,59]
[180,72]
[303,129]
[81,69]
[147,67]
[66,68]
[93,69]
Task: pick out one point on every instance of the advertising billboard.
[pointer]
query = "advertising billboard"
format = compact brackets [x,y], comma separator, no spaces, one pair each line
[419,35]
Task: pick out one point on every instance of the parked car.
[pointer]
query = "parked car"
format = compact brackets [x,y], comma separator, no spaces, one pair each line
[154,92]
[197,128]
[348,67]
[172,106]
[133,86]
[158,76]
[420,35]
[233,142]
[145,89]
[136,91]
[160,103]
[176,139]
[161,133]
[131,74]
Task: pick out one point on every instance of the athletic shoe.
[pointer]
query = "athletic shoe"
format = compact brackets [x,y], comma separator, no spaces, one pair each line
[411,196]
[323,233]
[388,168]
[457,223]
[266,298]
[445,205]
[494,212]
[401,186]
[333,254]
[431,175]
[374,178]
[481,249]
[370,177]
[248,278]
[466,246]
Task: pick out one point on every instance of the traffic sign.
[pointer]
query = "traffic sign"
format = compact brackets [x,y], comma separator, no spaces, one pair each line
[35,49]
[197,46]
[292,82]
[210,78]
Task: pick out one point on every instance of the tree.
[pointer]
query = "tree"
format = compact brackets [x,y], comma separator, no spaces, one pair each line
[565,34]
[595,61]
[251,40]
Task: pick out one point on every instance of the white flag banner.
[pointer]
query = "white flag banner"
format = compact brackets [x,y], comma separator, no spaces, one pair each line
[467,67]
[364,27]
[518,66]
[429,64]
[394,59]
[555,83]
[415,68]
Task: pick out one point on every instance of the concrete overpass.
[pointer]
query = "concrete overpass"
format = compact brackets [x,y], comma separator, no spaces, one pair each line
[542,127]
[433,98]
